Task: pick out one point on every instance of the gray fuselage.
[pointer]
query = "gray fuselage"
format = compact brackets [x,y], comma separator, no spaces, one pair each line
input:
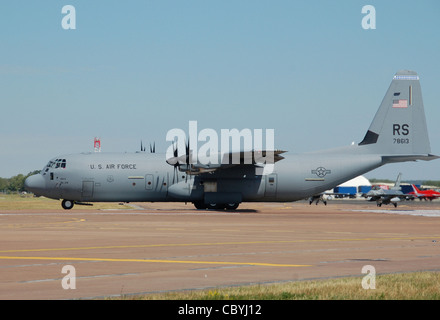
[143,177]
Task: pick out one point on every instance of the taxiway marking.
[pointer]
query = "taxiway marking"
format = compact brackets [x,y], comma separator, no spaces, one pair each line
[160,261]
[225,243]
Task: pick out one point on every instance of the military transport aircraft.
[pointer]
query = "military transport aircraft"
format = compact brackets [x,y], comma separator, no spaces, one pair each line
[398,133]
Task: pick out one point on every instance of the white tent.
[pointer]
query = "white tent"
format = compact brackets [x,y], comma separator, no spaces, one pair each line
[356,182]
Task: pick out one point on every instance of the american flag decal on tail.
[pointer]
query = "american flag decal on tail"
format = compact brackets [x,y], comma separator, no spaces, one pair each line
[402,103]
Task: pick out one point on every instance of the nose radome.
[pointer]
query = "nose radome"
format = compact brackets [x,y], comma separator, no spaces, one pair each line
[35,184]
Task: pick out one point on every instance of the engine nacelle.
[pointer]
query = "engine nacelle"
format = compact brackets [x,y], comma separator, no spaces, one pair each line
[186,190]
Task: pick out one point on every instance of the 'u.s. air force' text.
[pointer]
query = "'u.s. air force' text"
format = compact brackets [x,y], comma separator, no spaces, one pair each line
[113,166]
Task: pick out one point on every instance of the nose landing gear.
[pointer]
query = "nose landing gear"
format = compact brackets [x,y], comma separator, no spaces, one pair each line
[67,204]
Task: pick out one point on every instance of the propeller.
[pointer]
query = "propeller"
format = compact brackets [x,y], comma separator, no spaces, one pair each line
[175,163]
[188,157]
[184,160]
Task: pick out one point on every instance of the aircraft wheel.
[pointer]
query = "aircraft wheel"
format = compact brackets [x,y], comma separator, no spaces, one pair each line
[231,206]
[215,206]
[199,205]
[67,204]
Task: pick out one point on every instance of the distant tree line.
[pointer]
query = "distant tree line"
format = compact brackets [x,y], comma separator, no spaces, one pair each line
[432,183]
[15,183]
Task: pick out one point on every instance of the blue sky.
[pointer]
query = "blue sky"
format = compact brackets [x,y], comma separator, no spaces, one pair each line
[132,70]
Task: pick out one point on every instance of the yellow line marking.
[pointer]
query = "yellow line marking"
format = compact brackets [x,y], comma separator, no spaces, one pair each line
[222,243]
[195,244]
[160,261]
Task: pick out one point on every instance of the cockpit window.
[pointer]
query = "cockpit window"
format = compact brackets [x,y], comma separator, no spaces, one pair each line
[58,163]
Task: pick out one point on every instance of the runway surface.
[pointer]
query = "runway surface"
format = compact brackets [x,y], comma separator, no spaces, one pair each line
[171,247]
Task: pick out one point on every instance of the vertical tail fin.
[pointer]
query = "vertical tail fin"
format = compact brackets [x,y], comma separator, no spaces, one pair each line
[399,130]
[415,189]
[397,183]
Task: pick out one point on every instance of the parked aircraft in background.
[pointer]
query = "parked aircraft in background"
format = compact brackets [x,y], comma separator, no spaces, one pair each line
[398,133]
[384,196]
[424,194]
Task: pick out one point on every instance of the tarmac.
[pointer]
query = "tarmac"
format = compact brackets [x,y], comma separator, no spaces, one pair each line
[163,247]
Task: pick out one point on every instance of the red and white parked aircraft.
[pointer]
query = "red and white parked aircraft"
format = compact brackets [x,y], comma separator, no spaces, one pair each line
[425,194]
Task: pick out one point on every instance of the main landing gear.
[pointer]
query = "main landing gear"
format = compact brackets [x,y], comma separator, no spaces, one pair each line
[217,206]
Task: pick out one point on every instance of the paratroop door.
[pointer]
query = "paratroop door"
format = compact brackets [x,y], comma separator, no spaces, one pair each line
[87,189]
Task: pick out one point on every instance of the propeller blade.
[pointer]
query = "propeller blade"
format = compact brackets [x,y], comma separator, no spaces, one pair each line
[175,150]
[187,153]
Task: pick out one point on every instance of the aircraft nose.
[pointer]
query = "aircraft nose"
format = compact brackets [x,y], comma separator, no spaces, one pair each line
[35,184]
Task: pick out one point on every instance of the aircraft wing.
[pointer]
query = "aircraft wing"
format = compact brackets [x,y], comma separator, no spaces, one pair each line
[226,161]
[388,196]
